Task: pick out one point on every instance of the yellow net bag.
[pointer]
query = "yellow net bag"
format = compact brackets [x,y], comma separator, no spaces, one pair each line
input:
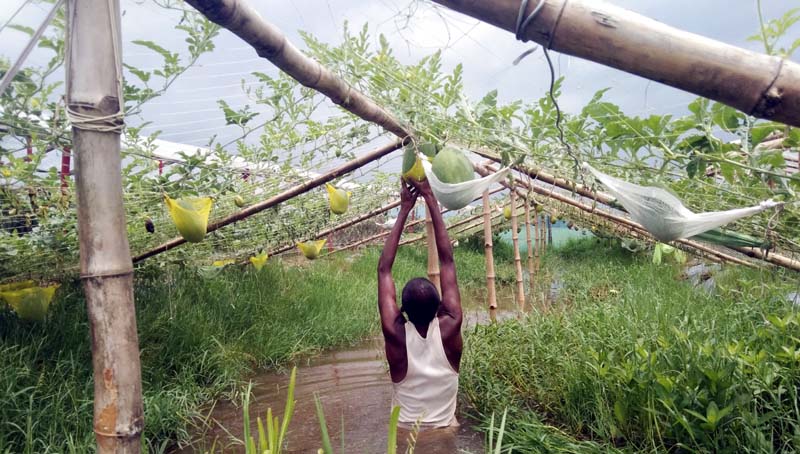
[190,215]
[339,199]
[259,260]
[223,263]
[29,301]
[311,249]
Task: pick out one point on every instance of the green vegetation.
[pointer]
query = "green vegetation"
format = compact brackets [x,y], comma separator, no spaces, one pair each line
[629,358]
[199,336]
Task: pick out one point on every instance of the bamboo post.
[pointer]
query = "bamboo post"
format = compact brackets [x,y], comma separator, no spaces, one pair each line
[433,254]
[529,242]
[94,97]
[269,42]
[757,84]
[279,198]
[536,236]
[491,290]
[549,230]
[517,259]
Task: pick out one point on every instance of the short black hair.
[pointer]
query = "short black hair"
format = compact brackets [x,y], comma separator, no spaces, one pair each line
[420,300]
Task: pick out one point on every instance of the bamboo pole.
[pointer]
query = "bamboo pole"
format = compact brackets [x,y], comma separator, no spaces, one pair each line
[433,253]
[549,225]
[340,227]
[757,84]
[269,42]
[691,245]
[279,198]
[609,200]
[536,240]
[529,241]
[488,246]
[94,92]
[517,259]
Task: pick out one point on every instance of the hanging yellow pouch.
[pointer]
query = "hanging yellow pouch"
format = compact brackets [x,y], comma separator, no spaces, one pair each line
[190,215]
[412,166]
[30,303]
[311,249]
[507,212]
[339,199]
[223,263]
[259,260]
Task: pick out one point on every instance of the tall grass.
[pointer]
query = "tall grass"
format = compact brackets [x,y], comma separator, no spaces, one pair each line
[635,360]
[199,337]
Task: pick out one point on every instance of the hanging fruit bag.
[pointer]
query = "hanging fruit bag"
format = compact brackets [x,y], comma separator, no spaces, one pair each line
[190,215]
[29,301]
[339,199]
[311,249]
[259,260]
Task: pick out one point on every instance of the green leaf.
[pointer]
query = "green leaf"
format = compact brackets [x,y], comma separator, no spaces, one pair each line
[21,28]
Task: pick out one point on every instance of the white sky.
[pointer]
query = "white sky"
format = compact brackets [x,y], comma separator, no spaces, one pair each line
[189,114]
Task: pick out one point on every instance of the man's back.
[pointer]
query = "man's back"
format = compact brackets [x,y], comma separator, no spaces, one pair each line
[428,392]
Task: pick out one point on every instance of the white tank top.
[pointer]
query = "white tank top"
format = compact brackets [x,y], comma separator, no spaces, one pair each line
[428,392]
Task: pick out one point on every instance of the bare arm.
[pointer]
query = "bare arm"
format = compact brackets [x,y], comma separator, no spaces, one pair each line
[387,294]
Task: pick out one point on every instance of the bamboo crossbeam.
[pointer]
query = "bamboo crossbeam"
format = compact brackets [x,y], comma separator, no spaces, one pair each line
[609,200]
[239,17]
[339,227]
[280,198]
[484,171]
[759,85]
[386,233]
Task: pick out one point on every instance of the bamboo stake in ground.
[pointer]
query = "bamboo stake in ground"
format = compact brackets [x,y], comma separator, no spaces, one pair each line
[529,242]
[491,290]
[536,235]
[94,79]
[517,259]
[433,254]
[270,43]
[757,84]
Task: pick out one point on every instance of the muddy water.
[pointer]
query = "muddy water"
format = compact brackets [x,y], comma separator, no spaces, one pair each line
[355,390]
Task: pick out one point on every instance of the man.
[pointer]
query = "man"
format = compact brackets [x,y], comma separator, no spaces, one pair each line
[424,349]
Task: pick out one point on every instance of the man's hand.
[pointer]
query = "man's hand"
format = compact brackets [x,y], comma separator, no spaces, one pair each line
[423,188]
[408,196]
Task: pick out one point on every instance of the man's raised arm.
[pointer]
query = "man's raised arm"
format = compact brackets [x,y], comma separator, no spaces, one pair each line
[391,318]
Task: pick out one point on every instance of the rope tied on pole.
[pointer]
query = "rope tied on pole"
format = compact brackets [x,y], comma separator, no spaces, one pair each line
[114,122]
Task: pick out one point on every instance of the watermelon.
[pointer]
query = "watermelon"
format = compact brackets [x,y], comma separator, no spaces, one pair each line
[452,166]
[412,167]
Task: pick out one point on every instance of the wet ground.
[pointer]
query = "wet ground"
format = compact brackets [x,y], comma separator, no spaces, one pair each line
[355,390]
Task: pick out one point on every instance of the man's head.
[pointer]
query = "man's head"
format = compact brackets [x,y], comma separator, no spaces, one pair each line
[420,301]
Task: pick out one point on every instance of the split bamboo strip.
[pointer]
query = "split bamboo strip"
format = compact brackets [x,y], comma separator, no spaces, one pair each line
[692,245]
[433,253]
[94,96]
[757,84]
[279,198]
[517,259]
[609,200]
[491,290]
[269,42]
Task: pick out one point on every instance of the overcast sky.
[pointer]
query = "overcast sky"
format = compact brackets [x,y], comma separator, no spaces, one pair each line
[189,114]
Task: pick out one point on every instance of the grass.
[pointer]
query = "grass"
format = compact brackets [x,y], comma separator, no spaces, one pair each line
[633,360]
[200,336]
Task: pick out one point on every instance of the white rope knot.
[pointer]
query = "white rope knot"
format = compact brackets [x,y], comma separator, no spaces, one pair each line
[108,123]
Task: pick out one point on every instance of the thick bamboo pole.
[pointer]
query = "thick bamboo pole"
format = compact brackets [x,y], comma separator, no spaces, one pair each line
[536,241]
[279,198]
[433,254]
[609,200]
[488,246]
[529,241]
[270,43]
[517,259]
[94,91]
[690,245]
[757,84]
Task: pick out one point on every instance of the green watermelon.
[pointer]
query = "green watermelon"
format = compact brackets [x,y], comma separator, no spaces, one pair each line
[452,166]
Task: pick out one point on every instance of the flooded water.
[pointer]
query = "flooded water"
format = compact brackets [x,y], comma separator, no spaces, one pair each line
[355,390]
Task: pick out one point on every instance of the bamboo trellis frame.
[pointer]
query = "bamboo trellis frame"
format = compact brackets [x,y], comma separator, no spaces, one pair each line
[517,259]
[608,200]
[759,85]
[491,289]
